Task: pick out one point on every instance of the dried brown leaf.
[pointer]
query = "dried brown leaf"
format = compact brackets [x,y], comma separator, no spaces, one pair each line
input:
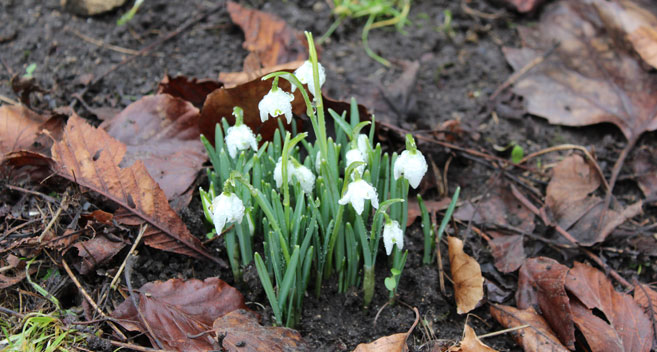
[268,38]
[646,297]
[162,131]
[568,197]
[470,343]
[466,273]
[91,157]
[508,251]
[624,315]
[537,337]
[636,20]
[96,251]
[599,335]
[392,343]
[240,332]
[432,206]
[179,313]
[192,90]
[541,282]
[589,78]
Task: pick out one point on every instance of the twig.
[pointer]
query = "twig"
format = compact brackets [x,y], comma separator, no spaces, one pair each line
[495,333]
[44,196]
[62,205]
[8,100]
[12,312]
[112,285]
[379,312]
[90,300]
[568,236]
[516,75]
[102,44]
[131,346]
[568,147]
[476,13]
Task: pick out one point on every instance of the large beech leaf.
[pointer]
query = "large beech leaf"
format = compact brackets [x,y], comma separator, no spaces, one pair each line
[90,157]
[622,313]
[179,313]
[466,273]
[240,331]
[162,131]
[569,198]
[541,282]
[589,78]
[537,337]
[190,89]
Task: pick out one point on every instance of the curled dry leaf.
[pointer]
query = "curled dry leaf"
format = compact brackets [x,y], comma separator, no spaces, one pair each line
[599,335]
[466,274]
[20,130]
[179,313]
[192,90]
[624,315]
[541,282]
[537,337]
[96,251]
[91,157]
[268,39]
[240,331]
[162,131]
[589,78]
[470,343]
[568,197]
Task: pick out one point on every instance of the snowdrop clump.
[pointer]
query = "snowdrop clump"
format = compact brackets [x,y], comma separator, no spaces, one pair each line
[320,208]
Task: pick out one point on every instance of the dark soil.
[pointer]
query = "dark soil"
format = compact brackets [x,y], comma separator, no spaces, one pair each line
[459,71]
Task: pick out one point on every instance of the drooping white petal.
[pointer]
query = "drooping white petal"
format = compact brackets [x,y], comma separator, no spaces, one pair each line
[226,209]
[305,177]
[353,156]
[276,103]
[412,165]
[392,235]
[305,75]
[364,145]
[240,138]
[357,192]
[278,172]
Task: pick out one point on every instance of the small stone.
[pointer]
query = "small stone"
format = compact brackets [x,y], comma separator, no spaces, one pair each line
[90,7]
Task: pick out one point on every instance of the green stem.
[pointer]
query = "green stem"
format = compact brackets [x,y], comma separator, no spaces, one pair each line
[368,285]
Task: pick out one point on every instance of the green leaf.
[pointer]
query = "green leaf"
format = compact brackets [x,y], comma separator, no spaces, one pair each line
[390,283]
[517,153]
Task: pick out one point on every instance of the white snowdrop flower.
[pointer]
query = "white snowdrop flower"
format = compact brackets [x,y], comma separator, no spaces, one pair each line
[357,192]
[305,75]
[353,156]
[276,103]
[305,177]
[412,165]
[238,138]
[226,209]
[300,173]
[364,145]
[278,172]
[392,235]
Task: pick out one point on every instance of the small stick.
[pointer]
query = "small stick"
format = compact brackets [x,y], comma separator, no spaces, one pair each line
[102,44]
[8,100]
[495,333]
[569,237]
[25,190]
[134,347]
[476,13]
[90,300]
[62,205]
